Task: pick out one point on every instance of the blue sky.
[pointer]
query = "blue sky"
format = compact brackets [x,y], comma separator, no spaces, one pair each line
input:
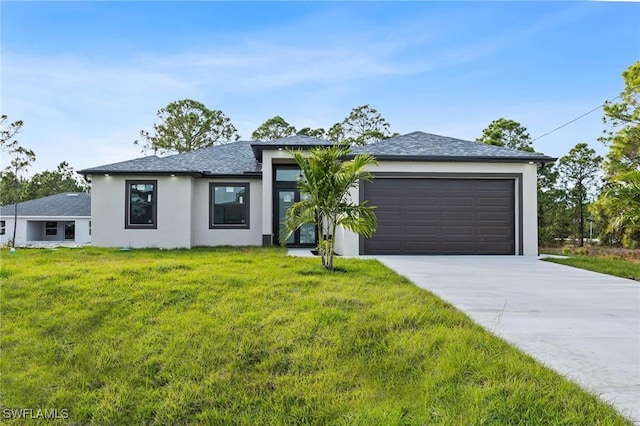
[86,77]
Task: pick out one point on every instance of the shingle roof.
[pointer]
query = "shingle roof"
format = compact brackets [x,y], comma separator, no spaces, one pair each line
[229,159]
[426,146]
[294,141]
[64,204]
[244,157]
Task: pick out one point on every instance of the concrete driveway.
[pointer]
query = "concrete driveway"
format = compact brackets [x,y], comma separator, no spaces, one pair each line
[582,324]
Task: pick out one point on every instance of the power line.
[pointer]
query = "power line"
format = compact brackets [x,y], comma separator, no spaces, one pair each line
[583,115]
[574,120]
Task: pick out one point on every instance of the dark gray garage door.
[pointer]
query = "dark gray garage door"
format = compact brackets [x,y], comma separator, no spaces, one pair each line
[442,216]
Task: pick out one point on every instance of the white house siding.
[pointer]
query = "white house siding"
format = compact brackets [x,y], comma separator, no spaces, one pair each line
[174,195]
[347,243]
[83,230]
[32,228]
[203,236]
[21,231]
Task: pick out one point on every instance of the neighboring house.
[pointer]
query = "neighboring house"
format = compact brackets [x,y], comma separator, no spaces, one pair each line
[433,195]
[61,217]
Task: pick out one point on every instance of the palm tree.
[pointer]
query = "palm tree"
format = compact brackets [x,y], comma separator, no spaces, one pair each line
[326,183]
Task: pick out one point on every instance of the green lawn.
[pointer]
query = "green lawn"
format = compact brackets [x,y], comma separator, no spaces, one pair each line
[251,336]
[616,267]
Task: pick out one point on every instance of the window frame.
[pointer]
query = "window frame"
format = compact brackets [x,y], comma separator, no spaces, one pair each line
[127,203]
[247,205]
[53,228]
[3,227]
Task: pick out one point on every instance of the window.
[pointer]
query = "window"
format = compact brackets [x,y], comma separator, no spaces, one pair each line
[288,175]
[69,230]
[51,228]
[141,204]
[228,205]
[89,228]
[3,224]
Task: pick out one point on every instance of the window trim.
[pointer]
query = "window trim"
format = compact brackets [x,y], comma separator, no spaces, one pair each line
[247,205]
[127,204]
[53,228]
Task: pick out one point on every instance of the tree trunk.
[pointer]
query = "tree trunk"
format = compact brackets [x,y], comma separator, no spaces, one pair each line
[581,223]
[15,223]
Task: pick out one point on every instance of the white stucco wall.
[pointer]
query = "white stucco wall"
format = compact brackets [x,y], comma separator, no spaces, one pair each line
[83,234]
[32,228]
[347,243]
[21,231]
[108,213]
[203,236]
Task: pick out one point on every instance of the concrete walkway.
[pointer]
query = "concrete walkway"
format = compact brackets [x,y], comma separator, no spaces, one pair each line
[582,324]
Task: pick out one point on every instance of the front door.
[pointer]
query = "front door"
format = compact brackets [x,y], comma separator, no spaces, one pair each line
[70,231]
[286,193]
[306,234]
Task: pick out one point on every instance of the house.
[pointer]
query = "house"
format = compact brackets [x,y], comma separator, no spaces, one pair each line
[62,217]
[433,195]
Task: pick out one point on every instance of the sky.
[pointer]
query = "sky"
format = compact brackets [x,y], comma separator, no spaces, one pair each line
[87,77]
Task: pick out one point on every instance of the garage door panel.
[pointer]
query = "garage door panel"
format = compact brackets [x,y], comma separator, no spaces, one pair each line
[442,216]
[450,184]
[422,215]
[488,247]
[460,247]
[493,202]
[418,230]
[388,230]
[493,230]
[416,248]
[463,215]
[457,202]
[493,216]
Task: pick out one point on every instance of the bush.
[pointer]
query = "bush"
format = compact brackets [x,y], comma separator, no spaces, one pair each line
[567,251]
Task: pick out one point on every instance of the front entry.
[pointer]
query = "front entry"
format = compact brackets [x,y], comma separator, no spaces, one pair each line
[70,231]
[286,194]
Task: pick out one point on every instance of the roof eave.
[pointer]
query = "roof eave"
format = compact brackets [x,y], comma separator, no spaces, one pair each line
[257,148]
[139,172]
[198,174]
[462,159]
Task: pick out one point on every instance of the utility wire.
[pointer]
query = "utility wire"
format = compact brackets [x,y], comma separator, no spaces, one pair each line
[583,115]
[574,120]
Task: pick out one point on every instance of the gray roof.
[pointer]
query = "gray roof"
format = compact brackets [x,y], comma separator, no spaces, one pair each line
[244,157]
[294,141]
[426,146]
[64,204]
[234,158]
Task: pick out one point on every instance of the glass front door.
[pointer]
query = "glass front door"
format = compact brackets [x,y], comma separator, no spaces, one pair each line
[306,235]
[285,200]
[70,231]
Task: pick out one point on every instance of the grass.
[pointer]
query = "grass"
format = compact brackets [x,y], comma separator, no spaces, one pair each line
[616,267]
[251,336]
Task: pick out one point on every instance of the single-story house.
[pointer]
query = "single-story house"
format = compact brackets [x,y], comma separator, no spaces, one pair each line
[64,217]
[433,195]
